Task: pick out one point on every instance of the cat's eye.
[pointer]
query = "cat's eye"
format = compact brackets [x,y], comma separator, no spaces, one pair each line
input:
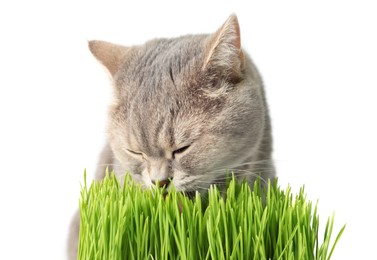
[180,150]
[135,153]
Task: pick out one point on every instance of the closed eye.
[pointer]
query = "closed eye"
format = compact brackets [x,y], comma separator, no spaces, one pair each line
[135,153]
[180,150]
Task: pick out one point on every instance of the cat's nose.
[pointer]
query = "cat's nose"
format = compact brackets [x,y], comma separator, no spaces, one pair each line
[162,183]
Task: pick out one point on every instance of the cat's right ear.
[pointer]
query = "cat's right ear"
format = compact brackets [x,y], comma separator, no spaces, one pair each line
[109,54]
[224,53]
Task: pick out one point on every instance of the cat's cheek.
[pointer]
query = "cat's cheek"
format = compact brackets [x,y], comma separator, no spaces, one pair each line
[180,181]
[145,179]
[137,178]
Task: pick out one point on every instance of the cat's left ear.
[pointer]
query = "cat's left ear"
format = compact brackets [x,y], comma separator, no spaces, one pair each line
[109,54]
[223,50]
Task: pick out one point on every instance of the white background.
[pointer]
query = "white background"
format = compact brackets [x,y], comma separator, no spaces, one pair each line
[318,61]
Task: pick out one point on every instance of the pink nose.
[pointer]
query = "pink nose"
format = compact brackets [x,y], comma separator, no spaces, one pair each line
[161,183]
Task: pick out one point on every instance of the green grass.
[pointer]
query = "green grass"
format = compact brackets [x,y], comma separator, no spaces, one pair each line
[125,222]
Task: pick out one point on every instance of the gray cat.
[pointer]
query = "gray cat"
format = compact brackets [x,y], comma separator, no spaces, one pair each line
[187,110]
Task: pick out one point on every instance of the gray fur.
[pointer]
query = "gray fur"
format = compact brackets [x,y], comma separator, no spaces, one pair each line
[196,90]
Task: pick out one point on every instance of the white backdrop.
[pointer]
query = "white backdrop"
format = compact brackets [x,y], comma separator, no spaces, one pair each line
[318,61]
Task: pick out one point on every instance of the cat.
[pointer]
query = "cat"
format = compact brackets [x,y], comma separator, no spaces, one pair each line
[186,111]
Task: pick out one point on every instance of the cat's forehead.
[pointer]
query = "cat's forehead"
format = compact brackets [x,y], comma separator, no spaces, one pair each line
[180,49]
[159,58]
[162,70]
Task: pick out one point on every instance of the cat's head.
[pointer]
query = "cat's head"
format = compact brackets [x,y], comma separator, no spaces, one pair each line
[186,109]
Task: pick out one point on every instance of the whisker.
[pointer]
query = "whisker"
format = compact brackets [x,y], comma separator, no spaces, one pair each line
[253,163]
[109,165]
[222,179]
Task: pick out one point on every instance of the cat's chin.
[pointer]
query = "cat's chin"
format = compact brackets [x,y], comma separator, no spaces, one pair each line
[190,194]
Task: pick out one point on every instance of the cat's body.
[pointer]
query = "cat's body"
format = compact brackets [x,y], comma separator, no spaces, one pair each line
[187,110]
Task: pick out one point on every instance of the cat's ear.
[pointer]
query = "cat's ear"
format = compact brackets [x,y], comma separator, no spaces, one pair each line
[223,50]
[109,54]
